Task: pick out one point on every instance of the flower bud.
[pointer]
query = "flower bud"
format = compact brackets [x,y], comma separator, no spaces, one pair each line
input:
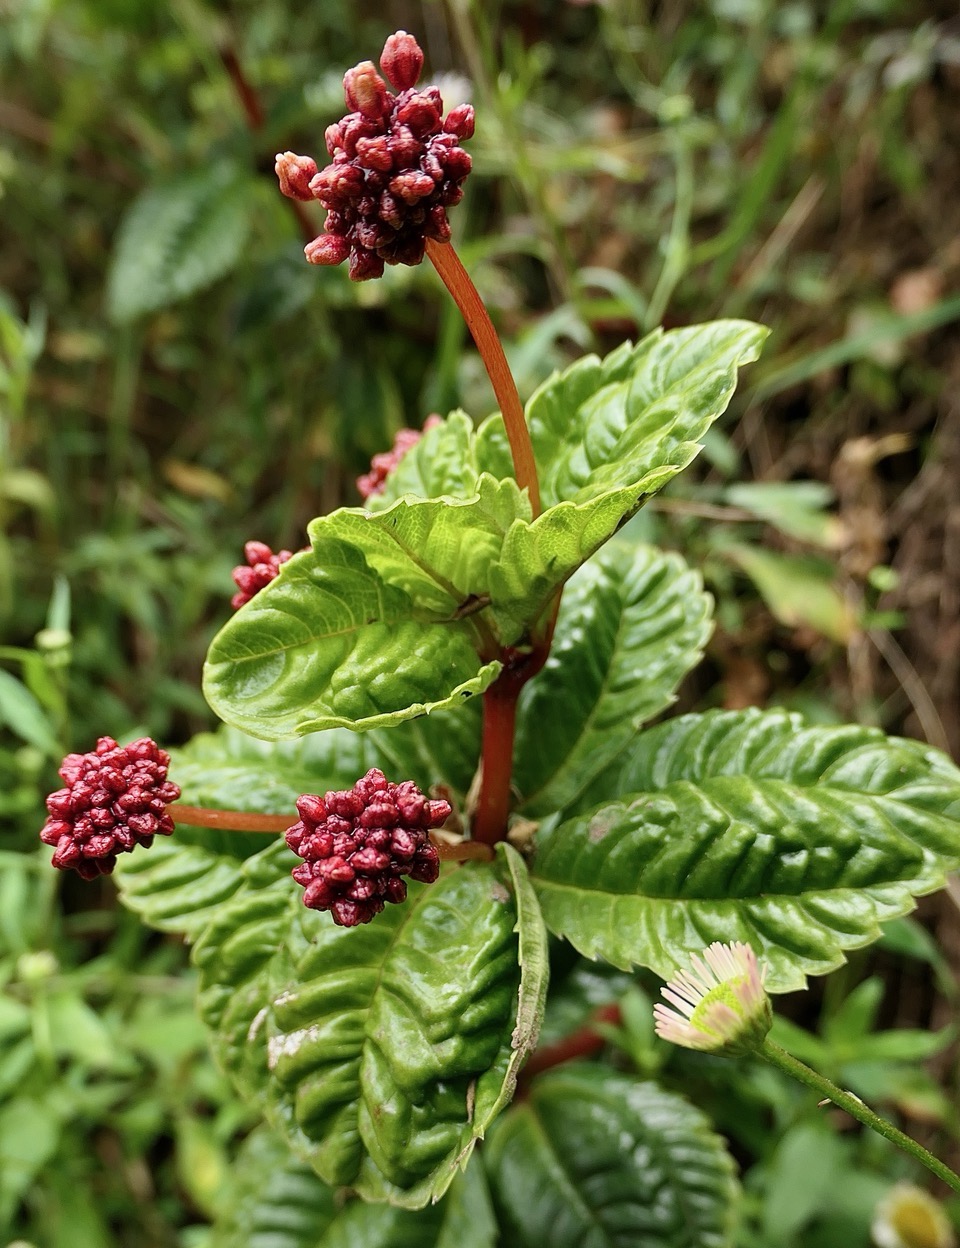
[295,173]
[402,60]
[327,249]
[365,91]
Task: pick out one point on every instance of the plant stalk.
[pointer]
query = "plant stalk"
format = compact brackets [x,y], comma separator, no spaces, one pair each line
[246,821]
[496,760]
[456,279]
[856,1109]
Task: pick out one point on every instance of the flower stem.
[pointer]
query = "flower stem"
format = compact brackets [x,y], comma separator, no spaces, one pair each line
[456,279]
[246,821]
[856,1109]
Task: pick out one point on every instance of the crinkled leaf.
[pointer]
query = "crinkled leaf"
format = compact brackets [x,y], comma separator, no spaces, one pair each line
[632,622]
[595,1159]
[177,238]
[606,424]
[608,434]
[277,1201]
[330,643]
[442,463]
[380,1053]
[751,826]
[439,551]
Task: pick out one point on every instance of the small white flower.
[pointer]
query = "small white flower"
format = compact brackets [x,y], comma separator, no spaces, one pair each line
[720,1003]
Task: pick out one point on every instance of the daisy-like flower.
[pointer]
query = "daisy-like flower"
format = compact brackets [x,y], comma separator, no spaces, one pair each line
[720,1004]
[909,1217]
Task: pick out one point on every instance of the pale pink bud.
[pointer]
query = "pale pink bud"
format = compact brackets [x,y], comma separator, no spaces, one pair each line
[327,249]
[365,91]
[295,173]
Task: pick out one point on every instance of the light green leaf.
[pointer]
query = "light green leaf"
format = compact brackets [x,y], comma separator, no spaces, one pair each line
[438,551]
[798,590]
[24,715]
[381,1053]
[751,826]
[632,622]
[177,238]
[606,424]
[442,464]
[276,1201]
[797,508]
[595,1159]
[329,643]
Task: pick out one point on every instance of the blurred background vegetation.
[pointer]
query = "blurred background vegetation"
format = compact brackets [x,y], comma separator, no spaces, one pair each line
[174,380]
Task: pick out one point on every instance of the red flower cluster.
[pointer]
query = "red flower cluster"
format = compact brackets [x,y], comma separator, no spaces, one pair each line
[383,464]
[397,167]
[260,569]
[356,845]
[115,799]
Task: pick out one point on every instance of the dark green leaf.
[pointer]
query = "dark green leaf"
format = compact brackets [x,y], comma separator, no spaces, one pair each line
[177,238]
[381,1053]
[633,621]
[277,1201]
[751,826]
[595,1159]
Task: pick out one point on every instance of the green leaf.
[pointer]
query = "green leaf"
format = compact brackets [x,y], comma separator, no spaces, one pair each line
[751,826]
[330,643]
[798,590]
[442,464]
[607,435]
[178,238]
[439,551]
[277,1201]
[633,621]
[606,424]
[24,715]
[381,1053]
[595,1159]
[797,508]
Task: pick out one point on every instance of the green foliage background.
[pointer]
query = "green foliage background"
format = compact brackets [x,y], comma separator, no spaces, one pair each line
[174,380]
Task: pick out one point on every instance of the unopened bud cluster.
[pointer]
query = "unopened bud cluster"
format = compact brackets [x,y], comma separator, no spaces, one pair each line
[115,798]
[397,167]
[357,844]
[385,462]
[260,569]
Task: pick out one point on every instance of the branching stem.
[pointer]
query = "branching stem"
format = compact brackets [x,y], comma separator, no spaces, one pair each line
[246,821]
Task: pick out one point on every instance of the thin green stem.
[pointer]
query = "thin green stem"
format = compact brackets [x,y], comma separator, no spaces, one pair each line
[457,280]
[856,1109]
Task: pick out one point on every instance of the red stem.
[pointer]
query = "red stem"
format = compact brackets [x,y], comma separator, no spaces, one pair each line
[583,1042]
[456,279]
[499,724]
[245,821]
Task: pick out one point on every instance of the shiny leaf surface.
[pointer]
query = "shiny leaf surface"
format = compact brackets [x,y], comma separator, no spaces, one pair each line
[751,826]
[595,1159]
[330,643]
[380,1053]
[277,1201]
[632,622]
